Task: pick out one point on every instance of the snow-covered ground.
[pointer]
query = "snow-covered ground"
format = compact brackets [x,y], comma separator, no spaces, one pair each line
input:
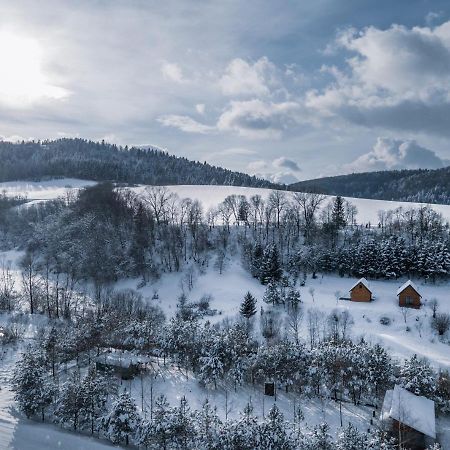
[209,196]
[36,191]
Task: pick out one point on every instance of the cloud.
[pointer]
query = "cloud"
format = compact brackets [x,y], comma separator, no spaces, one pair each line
[185,123]
[389,154]
[397,78]
[286,163]
[243,78]
[256,119]
[264,169]
[200,108]
[173,72]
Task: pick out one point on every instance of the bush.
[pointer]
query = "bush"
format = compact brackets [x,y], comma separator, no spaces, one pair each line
[385,320]
[441,323]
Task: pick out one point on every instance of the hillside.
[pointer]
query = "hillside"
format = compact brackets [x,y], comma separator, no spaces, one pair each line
[79,158]
[428,186]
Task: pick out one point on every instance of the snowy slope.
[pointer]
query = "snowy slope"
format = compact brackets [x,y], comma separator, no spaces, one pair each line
[211,196]
[36,191]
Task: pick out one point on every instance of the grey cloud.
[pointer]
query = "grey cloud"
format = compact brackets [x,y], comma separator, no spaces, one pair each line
[388,154]
[287,163]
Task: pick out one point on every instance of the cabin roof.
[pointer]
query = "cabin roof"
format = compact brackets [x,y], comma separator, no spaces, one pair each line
[364,282]
[415,411]
[409,283]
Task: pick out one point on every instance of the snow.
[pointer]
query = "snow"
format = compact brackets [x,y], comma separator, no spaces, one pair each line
[363,281]
[19,433]
[415,411]
[37,191]
[211,196]
[405,285]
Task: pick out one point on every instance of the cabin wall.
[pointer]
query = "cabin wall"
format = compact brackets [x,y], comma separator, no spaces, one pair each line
[360,294]
[412,294]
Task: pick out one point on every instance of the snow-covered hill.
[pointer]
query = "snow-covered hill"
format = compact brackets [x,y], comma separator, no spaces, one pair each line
[209,196]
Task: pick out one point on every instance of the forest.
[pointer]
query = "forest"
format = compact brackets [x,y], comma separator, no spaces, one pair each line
[77,247]
[100,161]
[423,185]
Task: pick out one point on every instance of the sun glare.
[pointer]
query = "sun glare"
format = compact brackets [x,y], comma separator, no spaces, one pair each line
[22,78]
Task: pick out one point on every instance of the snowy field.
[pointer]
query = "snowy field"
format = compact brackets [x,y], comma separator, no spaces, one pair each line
[209,196]
[36,191]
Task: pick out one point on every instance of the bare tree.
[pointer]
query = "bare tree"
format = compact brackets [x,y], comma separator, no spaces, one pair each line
[308,204]
[158,199]
[30,279]
[293,322]
[278,202]
[441,323]
[7,283]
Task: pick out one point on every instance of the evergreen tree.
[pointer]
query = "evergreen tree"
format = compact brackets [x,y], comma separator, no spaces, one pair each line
[94,392]
[33,390]
[122,421]
[273,433]
[270,267]
[338,213]
[351,439]
[417,376]
[70,402]
[207,425]
[272,294]
[248,306]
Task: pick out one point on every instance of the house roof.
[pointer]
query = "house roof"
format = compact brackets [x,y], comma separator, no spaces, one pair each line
[364,282]
[415,411]
[407,284]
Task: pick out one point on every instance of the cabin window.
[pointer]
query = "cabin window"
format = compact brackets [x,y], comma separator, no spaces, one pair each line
[408,300]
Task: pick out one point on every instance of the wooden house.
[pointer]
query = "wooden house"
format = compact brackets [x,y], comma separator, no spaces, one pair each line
[409,418]
[360,291]
[408,295]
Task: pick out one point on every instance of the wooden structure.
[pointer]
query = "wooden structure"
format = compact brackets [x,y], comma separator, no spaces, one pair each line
[409,418]
[408,295]
[360,291]
[122,363]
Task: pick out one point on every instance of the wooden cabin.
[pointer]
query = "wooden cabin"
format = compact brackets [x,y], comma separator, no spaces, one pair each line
[409,418]
[408,295]
[360,291]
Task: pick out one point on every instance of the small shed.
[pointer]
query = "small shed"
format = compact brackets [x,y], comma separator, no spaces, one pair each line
[124,364]
[408,295]
[411,418]
[360,291]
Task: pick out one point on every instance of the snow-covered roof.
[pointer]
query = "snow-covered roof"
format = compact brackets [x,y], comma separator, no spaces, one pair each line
[407,284]
[364,282]
[412,410]
[124,360]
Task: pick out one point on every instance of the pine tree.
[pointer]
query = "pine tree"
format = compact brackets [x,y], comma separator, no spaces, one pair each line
[351,439]
[273,432]
[272,294]
[94,392]
[122,421]
[182,431]
[70,402]
[270,267]
[207,425]
[417,376]
[33,390]
[248,306]
[338,213]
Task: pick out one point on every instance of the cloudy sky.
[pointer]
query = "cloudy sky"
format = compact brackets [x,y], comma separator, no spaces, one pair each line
[288,90]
